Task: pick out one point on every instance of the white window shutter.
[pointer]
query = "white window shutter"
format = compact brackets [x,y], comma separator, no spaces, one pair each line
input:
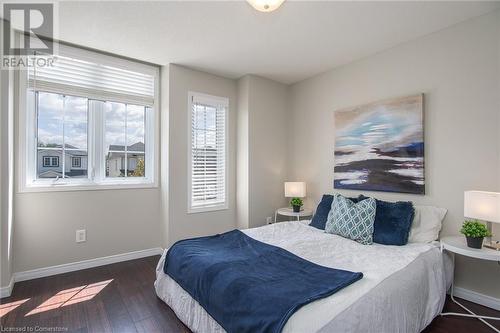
[208,152]
[94,77]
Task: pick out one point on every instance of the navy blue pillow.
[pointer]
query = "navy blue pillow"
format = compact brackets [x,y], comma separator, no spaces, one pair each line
[321,214]
[392,222]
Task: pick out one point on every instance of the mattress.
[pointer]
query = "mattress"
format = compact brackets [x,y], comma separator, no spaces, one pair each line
[402,290]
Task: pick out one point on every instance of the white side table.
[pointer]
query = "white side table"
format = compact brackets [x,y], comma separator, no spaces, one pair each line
[458,245]
[287,211]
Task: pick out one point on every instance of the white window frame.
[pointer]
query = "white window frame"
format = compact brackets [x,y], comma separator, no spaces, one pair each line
[96,180]
[210,100]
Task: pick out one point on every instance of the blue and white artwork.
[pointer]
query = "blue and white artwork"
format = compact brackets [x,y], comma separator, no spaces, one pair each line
[380,146]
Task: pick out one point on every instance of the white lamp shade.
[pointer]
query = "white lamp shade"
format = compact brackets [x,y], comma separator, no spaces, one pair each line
[295,189]
[483,206]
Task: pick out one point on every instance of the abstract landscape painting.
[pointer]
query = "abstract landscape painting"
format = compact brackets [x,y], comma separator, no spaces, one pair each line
[380,146]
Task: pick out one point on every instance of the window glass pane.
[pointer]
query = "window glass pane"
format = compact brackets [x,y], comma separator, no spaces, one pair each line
[75,136]
[114,138]
[135,141]
[75,123]
[50,122]
[62,135]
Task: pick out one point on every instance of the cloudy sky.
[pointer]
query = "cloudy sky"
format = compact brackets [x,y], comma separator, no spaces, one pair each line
[117,115]
[50,120]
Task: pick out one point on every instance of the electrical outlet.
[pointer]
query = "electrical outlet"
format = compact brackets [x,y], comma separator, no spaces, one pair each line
[81,236]
[269,220]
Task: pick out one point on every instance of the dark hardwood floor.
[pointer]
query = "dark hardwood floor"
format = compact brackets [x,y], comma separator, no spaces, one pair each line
[121,298]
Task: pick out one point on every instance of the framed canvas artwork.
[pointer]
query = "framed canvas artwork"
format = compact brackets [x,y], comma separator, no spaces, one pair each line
[380,146]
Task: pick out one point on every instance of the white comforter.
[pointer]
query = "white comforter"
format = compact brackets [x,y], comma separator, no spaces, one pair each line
[402,289]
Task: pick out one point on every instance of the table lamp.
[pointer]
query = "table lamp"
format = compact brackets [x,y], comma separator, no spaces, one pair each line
[484,206]
[295,190]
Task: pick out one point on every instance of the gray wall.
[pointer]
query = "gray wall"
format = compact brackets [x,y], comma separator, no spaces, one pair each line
[6,175]
[242,151]
[117,221]
[458,71]
[180,223]
[164,154]
[262,144]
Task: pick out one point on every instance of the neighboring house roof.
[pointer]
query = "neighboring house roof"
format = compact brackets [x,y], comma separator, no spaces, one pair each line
[138,146]
[76,152]
[49,174]
[59,152]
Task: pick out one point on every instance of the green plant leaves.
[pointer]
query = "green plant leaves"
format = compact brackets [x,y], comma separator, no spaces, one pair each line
[474,228]
[296,202]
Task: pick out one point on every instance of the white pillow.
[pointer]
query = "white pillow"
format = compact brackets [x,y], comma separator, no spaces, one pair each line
[426,224]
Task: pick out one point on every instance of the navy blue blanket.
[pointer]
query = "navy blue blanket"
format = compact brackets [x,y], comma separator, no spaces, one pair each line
[247,285]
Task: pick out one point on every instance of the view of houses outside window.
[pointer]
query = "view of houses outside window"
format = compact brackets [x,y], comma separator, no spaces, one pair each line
[124,136]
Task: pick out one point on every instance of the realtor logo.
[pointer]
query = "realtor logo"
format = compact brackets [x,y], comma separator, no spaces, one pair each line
[36,20]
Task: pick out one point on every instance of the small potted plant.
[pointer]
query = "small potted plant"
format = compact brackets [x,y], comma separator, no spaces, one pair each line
[296,204]
[475,232]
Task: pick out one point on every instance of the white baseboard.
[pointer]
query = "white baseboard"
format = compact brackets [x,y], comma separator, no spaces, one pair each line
[475,297]
[76,266]
[7,290]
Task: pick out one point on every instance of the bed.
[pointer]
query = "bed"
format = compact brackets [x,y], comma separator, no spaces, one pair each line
[403,287]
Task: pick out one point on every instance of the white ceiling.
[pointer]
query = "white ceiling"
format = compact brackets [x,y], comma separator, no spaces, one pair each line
[299,40]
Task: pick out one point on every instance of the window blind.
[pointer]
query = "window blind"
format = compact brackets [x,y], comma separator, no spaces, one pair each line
[92,77]
[208,152]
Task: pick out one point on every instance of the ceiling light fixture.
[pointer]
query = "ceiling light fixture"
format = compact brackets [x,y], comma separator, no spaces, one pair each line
[265,5]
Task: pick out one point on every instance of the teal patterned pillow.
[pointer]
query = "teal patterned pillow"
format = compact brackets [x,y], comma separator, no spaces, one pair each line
[352,220]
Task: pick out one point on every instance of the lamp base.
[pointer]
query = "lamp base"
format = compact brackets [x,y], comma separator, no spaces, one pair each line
[490,243]
[495,245]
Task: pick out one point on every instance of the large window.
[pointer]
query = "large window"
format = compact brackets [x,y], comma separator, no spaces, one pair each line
[207,153]
[90,122]
[124,137]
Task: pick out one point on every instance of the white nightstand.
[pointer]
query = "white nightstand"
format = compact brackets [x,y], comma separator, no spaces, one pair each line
[287,211]
[458,245]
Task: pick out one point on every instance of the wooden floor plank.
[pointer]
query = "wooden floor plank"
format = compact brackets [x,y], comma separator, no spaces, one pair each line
[149,325]
[128,303]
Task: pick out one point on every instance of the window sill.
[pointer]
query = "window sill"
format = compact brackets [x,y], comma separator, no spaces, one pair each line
[206,209]
[86,186]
